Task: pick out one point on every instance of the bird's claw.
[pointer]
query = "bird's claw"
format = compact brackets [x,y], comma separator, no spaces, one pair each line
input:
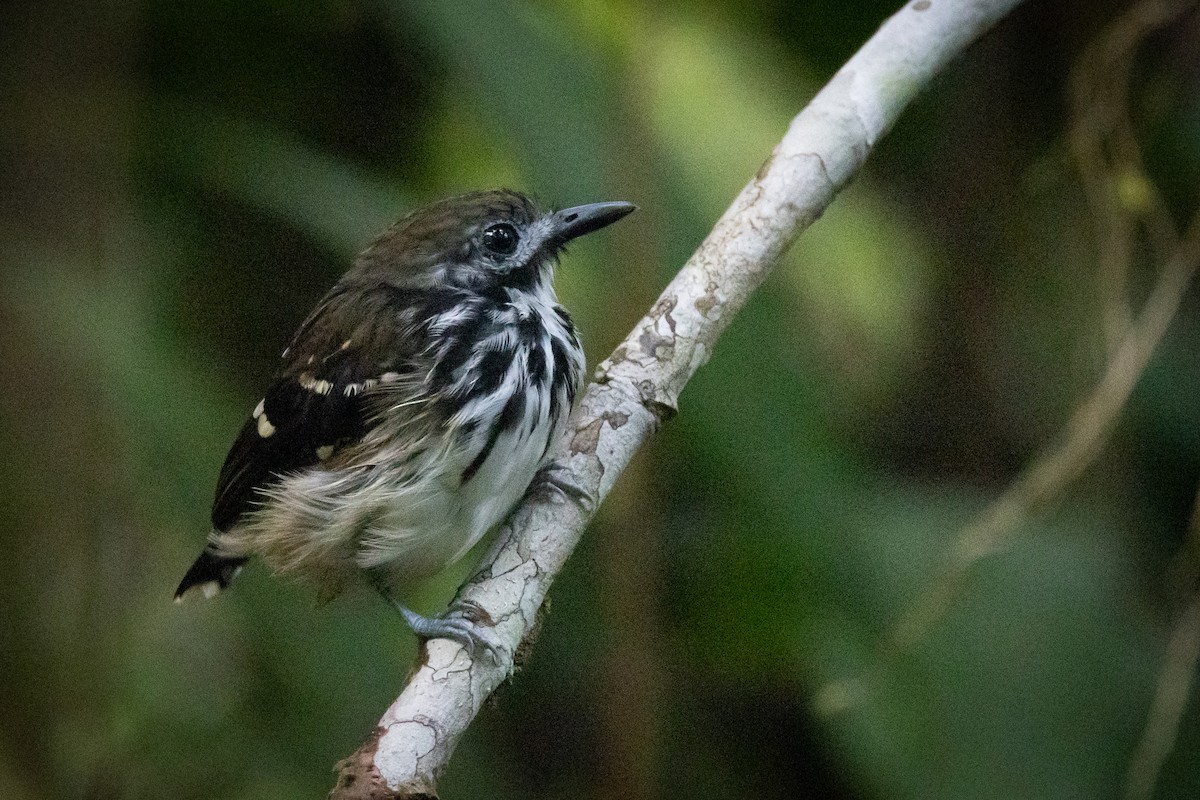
[464,622]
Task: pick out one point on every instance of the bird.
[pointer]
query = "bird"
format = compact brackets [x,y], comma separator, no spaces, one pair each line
[411,410]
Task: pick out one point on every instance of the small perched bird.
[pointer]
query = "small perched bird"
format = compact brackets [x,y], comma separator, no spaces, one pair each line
[413,408]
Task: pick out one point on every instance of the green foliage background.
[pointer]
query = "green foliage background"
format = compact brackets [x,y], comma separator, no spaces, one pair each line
[181,181]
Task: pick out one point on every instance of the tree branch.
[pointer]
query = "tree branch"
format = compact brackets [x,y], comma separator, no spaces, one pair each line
[638,386]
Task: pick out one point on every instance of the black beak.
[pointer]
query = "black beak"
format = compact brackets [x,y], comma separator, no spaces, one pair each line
[571,223]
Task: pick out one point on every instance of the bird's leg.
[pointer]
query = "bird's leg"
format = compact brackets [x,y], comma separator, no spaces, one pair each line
[463,622]
[555,475]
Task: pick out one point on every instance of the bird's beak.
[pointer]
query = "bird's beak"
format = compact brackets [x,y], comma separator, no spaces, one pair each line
[571,223]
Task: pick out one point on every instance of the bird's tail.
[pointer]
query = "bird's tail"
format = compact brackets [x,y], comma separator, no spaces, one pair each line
[208,575]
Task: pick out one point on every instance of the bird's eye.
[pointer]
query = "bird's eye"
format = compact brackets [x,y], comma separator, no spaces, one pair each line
[501,239]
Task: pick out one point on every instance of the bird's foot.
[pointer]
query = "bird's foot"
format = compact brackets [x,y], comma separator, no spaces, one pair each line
[556,476]
[464,622]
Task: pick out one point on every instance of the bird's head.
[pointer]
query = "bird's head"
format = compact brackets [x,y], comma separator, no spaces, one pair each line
[480,240]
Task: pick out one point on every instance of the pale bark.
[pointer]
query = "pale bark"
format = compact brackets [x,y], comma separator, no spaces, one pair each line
[638,386]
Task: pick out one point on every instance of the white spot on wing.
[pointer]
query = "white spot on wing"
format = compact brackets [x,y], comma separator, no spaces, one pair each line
[324,452]
[258,409]
[307,381]
[265,428]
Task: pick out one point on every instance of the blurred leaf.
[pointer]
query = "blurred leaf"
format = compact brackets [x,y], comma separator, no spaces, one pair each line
[544,92]
[334,202]
[1006,699]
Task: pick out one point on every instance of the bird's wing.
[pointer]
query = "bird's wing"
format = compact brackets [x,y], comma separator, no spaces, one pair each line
[321,401]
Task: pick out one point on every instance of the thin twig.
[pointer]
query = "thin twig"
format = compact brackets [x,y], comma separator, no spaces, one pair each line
[1171,694]
[1104,166]
[1176,676]
[1107,154]
[1052,471]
